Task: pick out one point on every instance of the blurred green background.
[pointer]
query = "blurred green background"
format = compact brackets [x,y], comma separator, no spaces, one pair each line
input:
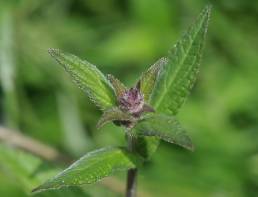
[124,37]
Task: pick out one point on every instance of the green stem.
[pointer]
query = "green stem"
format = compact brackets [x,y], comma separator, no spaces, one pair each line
[131,173]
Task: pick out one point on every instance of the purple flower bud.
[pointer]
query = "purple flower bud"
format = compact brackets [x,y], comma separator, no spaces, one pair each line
[132,101]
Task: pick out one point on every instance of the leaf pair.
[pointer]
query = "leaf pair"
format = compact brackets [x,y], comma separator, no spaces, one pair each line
[178,73]
[104,162]
[161,126]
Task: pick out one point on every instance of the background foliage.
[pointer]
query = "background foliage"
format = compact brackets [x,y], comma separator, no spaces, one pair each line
[124,38]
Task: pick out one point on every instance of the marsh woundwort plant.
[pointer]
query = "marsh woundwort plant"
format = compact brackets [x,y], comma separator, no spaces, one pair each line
[146,111]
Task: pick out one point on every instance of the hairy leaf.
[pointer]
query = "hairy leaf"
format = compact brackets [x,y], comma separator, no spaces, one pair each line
[91,168]
[177,76]
[179,73]
[163,127]
[114,114]
[148,78]
[118,86]
[87,77]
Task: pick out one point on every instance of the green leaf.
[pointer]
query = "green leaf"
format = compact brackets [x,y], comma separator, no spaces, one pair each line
[91,168]
[114,114]
[118,86]
[178,75]
[148,78]
[163,127]
[88,78]
[147,146]
[180,72]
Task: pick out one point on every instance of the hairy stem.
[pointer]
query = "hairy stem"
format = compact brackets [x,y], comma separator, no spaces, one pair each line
[132,173]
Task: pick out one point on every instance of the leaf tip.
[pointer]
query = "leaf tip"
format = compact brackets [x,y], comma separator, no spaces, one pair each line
[189,145]
[205,14]
[191,148]
[53,52]
[209,7]
[207,11]
[36,190]
[44,187]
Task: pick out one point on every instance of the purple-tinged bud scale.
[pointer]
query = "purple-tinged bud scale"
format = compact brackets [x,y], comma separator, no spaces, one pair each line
[132,101]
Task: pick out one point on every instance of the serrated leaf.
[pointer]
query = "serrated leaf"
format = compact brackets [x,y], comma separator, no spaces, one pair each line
[88,78]
[91,168]
[148,78]
[114,114]
[118,86]
[163,127]
[179,74]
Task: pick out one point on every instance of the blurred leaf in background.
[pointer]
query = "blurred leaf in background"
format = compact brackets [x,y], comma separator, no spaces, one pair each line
[125,37]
